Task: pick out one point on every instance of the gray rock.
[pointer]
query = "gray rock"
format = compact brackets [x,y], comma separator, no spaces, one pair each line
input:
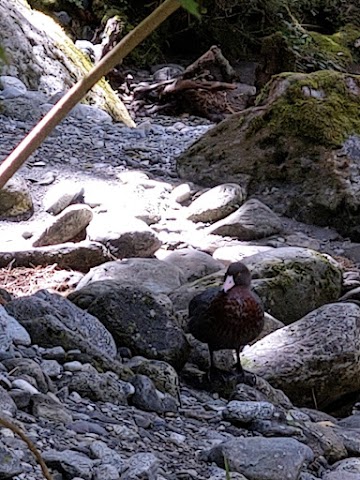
[7,404]
[193,263]
[83,112]
[9,463]
[162,374]
[11,331]
[52,368]
[106,471]
[103,387]
[108,456]
[152,274]
[353,421]
[216,203]
[7,81]
[142,465]
[236,253]
[146,396]
[61,196]
[293,281]
[181,193]
[218,474]
[83,426]
[72,463]
[21,398]
[136,319]
[124,236]
[15,199]
[323,440]
[79,256]
[28,309]
[263,458]
[65,227]
[348,469]
[44,406]
[21,384]
[263,392]
[315,357]
[245,412]
[30,370]
[251,221]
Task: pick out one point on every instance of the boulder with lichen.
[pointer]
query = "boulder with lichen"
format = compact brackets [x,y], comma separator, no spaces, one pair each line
[297,150]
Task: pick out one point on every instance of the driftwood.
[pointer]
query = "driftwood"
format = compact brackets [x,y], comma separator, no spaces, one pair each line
[75,256]
[208,88]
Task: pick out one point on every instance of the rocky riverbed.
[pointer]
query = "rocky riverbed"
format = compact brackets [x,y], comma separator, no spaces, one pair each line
[106,381]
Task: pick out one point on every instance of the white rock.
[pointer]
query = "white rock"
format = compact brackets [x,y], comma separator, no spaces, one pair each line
[24,385]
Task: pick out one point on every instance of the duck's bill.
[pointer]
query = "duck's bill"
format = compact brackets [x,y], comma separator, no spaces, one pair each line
[228,284]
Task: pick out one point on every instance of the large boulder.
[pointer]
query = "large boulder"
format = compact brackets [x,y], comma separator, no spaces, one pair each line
[290,281]
[152,274]
[262,458]
[315,361]
[136,318]
[44,58]
[293,281]
[298,150]
[28,311]
[15,200]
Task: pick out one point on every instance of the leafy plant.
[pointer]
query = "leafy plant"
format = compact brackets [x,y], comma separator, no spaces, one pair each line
[227,469]
[191,6]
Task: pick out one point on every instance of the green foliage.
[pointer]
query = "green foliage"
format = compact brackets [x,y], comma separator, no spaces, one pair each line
[191,6]
[240,26]
[227,469]
[316,51]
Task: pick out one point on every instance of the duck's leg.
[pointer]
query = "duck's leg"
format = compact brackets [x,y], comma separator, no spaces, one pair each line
[239,368]
[214,372]
[242,376]
[212,368]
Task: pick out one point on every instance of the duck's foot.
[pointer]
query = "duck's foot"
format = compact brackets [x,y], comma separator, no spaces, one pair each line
[216,375]
[246,377]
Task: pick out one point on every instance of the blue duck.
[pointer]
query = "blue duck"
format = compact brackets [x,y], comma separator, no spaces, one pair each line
[228,317]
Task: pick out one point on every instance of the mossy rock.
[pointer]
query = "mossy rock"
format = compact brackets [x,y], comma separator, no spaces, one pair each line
[297,150]
[293,281]
[314,361]
[62,64]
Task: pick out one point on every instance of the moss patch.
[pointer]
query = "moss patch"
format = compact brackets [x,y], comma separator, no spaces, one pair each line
[321,108]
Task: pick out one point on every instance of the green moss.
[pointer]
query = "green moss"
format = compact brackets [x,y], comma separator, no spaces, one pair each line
[111,102]
[320,108]
[330,47]
[347,36]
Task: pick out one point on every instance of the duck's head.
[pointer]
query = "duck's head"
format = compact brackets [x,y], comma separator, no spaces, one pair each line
[236,274]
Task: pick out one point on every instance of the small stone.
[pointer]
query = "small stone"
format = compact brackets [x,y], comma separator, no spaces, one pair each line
[51,368]
[24,385]
[216,203]
[74,366]
[66,226]
[181,193]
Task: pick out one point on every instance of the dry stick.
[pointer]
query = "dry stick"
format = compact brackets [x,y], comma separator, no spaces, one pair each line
[29,443]
[38,134]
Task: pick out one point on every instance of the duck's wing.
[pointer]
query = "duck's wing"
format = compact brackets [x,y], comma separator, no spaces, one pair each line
[236,319]
[200,314]
[201,302]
